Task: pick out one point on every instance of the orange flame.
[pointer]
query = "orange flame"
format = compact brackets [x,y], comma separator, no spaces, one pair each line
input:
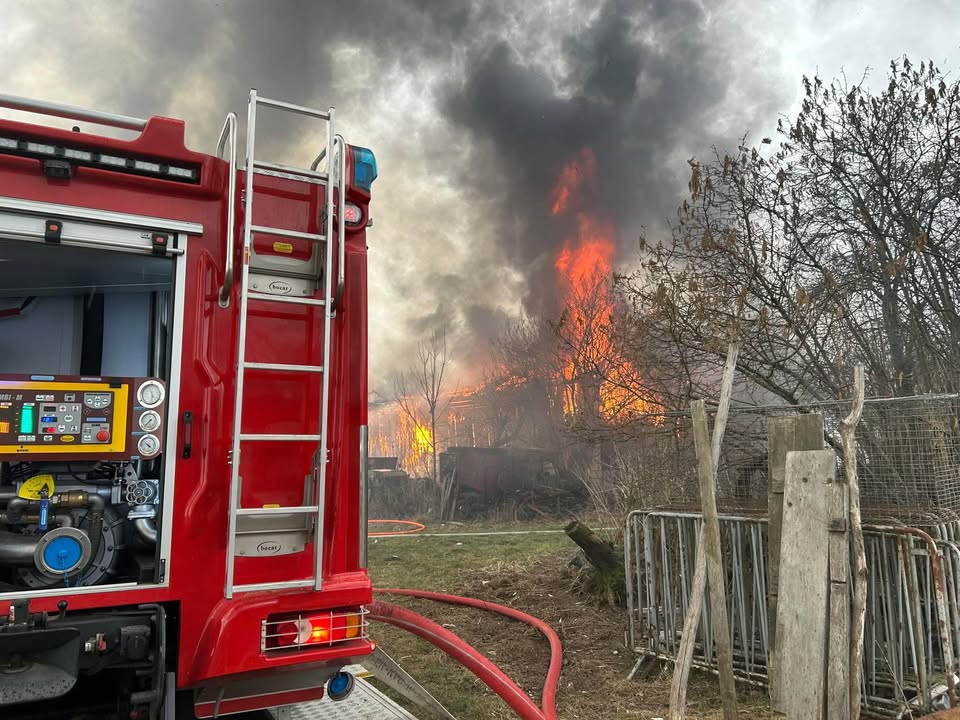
[394,432]
[595,372]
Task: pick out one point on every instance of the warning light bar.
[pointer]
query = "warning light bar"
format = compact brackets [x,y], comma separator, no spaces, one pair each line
[89,158]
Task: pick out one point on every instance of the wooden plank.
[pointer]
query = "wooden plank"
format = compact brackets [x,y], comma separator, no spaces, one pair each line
[681,669]
[809,432]
[784,434]
[803,595]
[780,440]
[838,654]
[712,550]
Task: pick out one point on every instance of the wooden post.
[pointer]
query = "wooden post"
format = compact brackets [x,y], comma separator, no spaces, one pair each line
[681,669]
[804,586]
[780,441]
[838,651]
[848,434]
[714,558]
[784,434]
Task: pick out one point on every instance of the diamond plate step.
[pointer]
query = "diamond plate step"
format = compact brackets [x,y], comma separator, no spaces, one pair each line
[364,703]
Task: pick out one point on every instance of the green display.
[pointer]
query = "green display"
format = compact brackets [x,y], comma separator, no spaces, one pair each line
[27,419]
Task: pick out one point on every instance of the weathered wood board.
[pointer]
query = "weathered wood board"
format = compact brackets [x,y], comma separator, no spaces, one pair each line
[802,608]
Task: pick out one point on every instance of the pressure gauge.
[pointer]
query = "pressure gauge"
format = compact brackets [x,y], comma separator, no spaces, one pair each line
[148,446]
[149,421]
[150,394]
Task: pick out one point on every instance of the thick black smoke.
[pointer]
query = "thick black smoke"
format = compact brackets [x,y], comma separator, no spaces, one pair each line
[639,82]
[520,93]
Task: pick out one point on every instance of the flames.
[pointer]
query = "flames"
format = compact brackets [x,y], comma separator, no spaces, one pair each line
[416,441]
[394,433]
[596,374]
[422,439]
[589,375]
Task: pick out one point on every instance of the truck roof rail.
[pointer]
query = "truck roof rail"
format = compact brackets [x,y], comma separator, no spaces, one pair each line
[124,122]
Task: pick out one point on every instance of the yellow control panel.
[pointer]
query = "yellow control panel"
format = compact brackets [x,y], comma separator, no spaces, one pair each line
[56,417]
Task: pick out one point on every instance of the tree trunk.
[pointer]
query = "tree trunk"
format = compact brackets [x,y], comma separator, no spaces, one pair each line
[601,554]
[433,440]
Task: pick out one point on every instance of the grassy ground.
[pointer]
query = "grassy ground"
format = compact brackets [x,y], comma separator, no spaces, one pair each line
[529,572]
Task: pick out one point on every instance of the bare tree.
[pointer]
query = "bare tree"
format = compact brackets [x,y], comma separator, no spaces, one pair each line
[841,246]
[426,382]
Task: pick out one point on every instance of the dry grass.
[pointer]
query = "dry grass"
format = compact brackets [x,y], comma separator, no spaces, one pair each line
[529,572]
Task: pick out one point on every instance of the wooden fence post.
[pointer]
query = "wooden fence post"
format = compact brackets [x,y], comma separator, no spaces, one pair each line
[848,434]
[804,583]
[838,652]
[784,434]
[713,551]
[681,669]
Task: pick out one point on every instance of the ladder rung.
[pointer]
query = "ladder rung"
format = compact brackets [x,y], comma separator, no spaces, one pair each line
[260,437]
[286,299]
[283,585]
[261,165]
[290,107]
[283,367]
[293,510]
[293,234]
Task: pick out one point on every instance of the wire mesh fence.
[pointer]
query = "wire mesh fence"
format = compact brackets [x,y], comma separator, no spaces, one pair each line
[908,458]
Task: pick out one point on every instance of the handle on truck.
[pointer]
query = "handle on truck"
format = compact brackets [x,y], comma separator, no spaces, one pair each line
[228,136]
[70,112]
[341,220]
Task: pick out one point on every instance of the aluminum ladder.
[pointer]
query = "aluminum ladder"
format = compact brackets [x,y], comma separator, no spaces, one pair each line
[306,519]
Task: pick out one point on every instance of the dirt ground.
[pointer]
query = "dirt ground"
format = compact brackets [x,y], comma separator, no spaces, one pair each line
[530,573]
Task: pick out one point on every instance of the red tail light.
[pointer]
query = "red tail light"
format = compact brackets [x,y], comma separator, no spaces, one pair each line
[312,629]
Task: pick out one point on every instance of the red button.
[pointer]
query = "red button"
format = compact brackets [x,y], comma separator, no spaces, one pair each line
[103,436]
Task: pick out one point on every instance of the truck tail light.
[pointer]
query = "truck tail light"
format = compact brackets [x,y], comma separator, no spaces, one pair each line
[313,629]
[352,214]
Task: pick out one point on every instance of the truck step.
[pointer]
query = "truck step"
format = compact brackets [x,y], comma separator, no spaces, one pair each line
[290,107]
[283,367]
[278,437]
[364,703]
[284,232]
[277,167]
[286,299]
[290,510]
[281,585]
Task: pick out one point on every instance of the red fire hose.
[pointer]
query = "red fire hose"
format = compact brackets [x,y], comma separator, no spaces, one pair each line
[472,659]
[415,528]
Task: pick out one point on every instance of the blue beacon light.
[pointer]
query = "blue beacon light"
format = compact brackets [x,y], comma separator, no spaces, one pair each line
[364,167]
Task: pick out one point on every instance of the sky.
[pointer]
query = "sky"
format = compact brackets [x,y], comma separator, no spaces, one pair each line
[472,108]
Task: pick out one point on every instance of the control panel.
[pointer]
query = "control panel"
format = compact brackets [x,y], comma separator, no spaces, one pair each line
[80,418]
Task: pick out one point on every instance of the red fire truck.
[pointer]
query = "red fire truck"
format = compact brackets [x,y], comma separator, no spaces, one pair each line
[183,407]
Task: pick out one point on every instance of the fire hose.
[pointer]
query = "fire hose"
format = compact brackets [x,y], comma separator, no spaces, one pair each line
[415,528]
[468,656]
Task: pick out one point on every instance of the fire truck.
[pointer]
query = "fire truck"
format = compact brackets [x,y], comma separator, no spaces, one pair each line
[183,409]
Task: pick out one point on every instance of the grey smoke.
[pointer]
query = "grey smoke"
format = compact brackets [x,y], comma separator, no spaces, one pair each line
[638,82]
[472,108]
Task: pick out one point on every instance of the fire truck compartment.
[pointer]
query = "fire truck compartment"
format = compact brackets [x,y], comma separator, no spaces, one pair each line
[86,343]
[43,657]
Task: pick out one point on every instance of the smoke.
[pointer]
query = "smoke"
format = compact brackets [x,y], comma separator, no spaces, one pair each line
[637,83]
[472,108]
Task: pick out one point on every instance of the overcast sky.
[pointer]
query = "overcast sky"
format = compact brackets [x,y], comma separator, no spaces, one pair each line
[472,107]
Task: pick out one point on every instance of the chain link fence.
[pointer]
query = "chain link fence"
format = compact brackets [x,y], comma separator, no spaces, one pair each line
[908,458]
